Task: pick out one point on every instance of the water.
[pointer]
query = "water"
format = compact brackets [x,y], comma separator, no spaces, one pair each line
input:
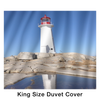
[47,81]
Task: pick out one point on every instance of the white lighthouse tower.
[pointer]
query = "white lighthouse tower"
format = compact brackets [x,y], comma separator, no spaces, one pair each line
[46,37]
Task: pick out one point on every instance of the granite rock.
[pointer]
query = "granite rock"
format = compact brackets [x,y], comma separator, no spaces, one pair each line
[51,54]
[26,55]
[9,58]
[18,70]
[61,59]
[7,71]
[51,65]
[43,55]
[60,65]
[27,70]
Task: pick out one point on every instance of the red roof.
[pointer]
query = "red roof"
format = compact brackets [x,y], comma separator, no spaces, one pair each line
[45,17]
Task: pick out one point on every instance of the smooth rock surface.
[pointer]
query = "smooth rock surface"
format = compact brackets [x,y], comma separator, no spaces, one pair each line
[60,65]
[51,65]
[26,55]
[61,59]
[10,58]
[27,70]
[18,70]
[43,55]
[51,54]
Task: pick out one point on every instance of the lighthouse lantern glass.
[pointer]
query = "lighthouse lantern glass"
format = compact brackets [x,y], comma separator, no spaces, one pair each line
[45,20]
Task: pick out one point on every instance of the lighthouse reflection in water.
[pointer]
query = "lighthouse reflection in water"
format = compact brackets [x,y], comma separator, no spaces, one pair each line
[49,81]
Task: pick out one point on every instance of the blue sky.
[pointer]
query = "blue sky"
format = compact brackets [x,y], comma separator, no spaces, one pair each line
[73,31]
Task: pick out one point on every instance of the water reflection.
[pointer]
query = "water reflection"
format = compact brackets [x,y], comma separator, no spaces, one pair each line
[47,81]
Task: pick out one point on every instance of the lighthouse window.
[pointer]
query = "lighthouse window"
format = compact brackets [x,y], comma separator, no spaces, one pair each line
[51,48]
[45,20]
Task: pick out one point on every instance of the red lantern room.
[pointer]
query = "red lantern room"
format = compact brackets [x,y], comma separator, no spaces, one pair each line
[45,20]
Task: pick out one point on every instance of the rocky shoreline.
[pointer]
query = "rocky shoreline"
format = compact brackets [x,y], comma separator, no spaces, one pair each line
[26,64]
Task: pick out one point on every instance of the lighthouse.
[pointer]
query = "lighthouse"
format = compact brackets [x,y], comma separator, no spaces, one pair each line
[46,36]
